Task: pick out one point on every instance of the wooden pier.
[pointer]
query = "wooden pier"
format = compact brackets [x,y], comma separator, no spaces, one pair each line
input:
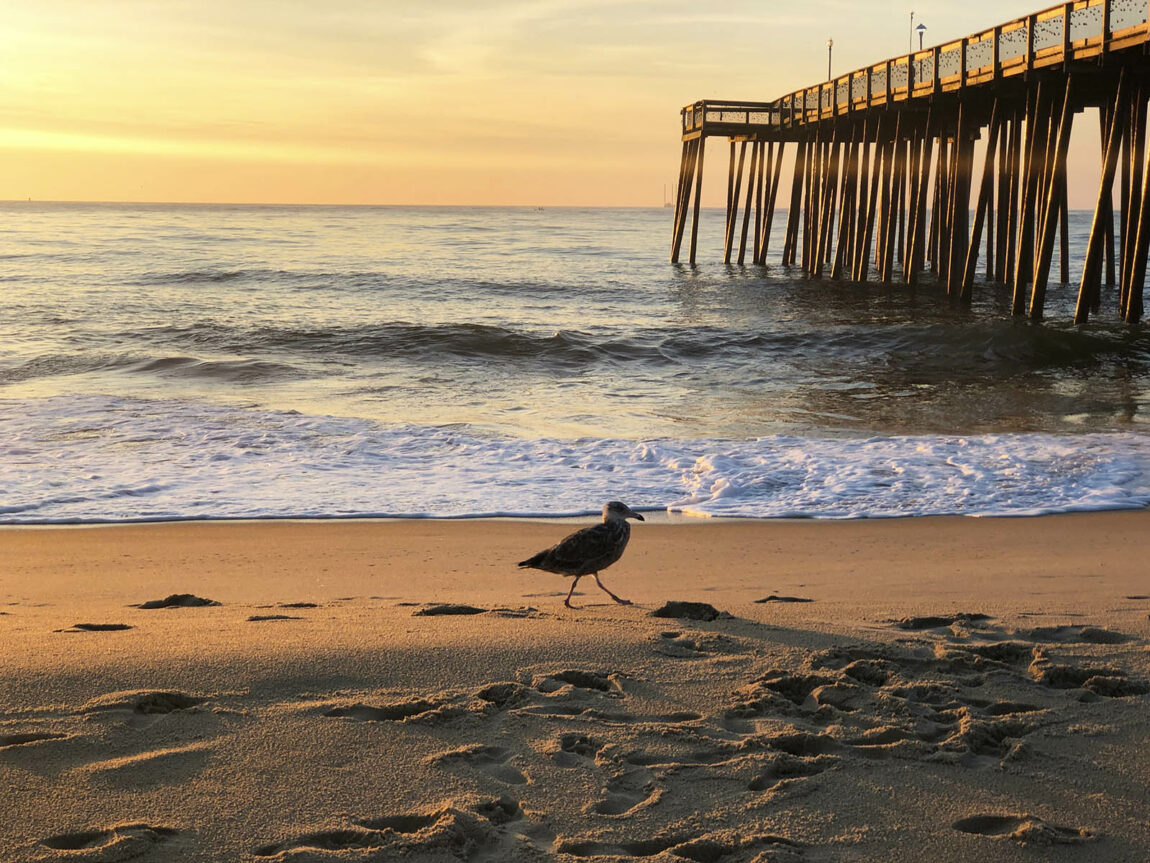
[884,171]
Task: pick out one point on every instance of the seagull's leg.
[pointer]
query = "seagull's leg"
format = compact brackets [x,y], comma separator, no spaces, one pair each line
[567,601]
[609,593]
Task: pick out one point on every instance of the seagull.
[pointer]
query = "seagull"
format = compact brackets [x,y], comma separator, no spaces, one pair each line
[589,550]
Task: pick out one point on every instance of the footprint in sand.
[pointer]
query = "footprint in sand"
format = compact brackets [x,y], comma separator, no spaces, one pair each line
[622,848]
[697,645]
[599,681]
[120,842]
[781,694]
[710,848]
[630,791]
[158,767]
[141,708]
[399,711]
[327,840]
[1095,680]
[1025,829]
[492,760]
[489,829]
[366,833]
[785,771]
[1075,634]
[915,624]
[979,742]
[574,750]
[503,695]
[24,738]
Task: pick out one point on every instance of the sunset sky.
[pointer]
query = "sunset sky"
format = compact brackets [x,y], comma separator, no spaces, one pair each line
[548,102]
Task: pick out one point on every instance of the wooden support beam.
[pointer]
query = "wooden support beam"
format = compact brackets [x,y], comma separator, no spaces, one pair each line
[1003,202]
[984,206]
[960,202]
[734,189]
[847,203]
[919,228]
[990,211]
[683,196]
[1109,115]
[1136,193]
[849,218]
[862,251]
[838,149]
[896,157]
[1063,227]
[862,209]
[938,206]
[1124,187]
[792,233]
[1054,194]
[914,144]
[1017,183]
[1132,293]
[813,220]
[698,197]
[727,230]
[761,182]
[1024,257]
[810,200]
[751,183]
[772,197]
[1090,288]
[830,198]
[901,179]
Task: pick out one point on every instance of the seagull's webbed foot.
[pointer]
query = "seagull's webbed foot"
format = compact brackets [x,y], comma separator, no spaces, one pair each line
[618,599]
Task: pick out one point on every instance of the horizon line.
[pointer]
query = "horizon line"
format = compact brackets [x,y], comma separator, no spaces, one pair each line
[313,204]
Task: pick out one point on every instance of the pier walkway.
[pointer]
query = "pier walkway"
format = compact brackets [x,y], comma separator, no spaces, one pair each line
[884,167]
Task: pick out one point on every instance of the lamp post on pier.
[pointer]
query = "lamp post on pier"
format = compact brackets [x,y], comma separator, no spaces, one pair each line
[830,48]
[920,29]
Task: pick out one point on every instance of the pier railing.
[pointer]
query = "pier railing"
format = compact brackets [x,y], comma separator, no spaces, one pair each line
[730,118]
[1068,32]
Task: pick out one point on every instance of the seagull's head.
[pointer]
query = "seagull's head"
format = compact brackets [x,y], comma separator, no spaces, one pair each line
[617,510]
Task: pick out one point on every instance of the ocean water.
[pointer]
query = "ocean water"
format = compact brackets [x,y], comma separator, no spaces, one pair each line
[181,361]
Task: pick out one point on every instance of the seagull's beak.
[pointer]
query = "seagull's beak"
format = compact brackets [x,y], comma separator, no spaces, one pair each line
[632,514]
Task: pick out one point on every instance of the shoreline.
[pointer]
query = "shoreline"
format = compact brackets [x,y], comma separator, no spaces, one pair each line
[651,516]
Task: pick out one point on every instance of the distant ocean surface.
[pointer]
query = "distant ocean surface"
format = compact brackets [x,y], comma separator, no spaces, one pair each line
[203,362]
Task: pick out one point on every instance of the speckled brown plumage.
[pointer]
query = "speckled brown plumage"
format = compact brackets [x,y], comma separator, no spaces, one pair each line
[590,550]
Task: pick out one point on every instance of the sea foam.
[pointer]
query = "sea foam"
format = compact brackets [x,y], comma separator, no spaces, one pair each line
[105,459]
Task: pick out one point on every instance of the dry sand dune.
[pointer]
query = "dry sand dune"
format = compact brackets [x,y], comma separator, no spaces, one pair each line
[929,689]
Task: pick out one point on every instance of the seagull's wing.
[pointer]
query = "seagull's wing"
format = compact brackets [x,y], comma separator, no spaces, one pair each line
[585,551]
[584,547]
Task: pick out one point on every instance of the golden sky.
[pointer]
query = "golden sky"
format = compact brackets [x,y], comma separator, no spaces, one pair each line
[533,102]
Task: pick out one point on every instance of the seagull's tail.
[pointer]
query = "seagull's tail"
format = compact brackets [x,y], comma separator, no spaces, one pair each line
[534,561]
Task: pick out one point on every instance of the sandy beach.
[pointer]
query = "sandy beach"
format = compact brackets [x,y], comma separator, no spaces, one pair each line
[893,690]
